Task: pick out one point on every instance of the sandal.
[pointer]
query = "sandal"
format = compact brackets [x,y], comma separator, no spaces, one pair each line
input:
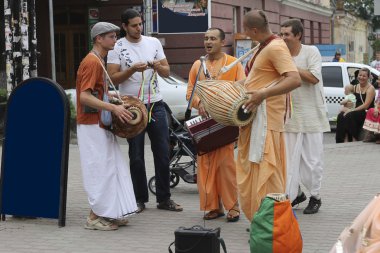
[213,214]
[231,218]
[100,224]
[169,205]
[118,222]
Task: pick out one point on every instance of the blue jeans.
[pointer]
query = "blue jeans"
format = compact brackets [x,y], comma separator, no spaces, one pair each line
[158,132]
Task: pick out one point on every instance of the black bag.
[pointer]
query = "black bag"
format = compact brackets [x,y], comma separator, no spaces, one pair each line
[197,240]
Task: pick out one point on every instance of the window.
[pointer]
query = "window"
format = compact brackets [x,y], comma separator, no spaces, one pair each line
[311,32]
[332,76]
[351,74]
[351,46]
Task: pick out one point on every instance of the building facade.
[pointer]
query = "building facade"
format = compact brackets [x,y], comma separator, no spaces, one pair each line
[353,32]
[73,19]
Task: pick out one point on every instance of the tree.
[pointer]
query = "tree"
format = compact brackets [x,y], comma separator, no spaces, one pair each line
[363,9]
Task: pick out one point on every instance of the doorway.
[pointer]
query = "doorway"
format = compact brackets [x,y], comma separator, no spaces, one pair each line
[70,49]
[71,45]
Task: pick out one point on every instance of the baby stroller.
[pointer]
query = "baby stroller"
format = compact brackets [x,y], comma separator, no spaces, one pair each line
[183,159]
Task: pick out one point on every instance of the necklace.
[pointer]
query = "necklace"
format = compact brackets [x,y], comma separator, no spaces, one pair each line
[360,92]
[365,90]
[213,67]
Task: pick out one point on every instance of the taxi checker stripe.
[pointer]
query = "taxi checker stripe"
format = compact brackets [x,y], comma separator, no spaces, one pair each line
[334,99]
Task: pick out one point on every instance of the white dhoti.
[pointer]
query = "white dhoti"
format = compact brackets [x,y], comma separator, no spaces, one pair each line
[106,175]
[304,162]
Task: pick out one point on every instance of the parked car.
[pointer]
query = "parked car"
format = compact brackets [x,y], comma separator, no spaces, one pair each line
[335,76]
[173,90]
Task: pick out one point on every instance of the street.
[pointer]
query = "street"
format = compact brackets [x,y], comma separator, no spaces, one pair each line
[350,181]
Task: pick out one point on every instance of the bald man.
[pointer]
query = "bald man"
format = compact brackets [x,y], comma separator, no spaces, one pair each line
[261,168]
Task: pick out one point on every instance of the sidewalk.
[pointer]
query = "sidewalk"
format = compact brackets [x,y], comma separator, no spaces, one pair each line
[351,179]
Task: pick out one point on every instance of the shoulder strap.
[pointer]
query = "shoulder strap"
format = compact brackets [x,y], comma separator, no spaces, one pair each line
[262,46]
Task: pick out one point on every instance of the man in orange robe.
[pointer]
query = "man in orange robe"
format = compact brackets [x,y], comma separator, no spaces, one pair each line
[273,62]
[216,170]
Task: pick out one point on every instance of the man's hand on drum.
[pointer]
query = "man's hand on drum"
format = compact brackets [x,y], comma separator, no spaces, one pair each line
[122,113]
[202,110]
[255,98]
[139,66]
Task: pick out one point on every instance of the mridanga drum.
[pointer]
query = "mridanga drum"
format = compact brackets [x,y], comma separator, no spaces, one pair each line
[224,100]
[137,124]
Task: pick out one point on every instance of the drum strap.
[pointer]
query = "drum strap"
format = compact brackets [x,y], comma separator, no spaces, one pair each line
[107,76]
[249,65]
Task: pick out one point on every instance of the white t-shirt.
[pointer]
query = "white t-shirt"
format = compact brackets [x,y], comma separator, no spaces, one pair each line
[375,64]
[309,107]
[126,54]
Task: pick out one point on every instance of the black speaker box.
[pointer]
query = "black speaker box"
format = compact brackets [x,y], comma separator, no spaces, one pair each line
[197,240]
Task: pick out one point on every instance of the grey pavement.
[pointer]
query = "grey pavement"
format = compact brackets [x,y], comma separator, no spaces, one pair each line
[351,179]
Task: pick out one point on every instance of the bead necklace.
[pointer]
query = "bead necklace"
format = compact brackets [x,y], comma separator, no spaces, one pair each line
[215,69]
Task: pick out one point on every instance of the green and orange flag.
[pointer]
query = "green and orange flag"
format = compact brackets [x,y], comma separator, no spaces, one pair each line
[274,228]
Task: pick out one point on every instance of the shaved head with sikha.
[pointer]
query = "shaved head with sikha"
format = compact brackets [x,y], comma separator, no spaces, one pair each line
[256,19]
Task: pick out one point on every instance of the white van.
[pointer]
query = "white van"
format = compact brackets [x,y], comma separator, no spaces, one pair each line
[335,76]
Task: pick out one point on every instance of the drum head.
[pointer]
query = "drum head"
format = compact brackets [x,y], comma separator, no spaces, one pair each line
[241,115]
[240,118]
[137,116]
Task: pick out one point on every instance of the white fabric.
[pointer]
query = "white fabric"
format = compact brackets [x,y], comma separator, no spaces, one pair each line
[309,108]
[258,134]
[126,54]
[304,162]
[106,175]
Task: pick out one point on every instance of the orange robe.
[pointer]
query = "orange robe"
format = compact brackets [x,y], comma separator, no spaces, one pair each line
[216,170]
[269,176]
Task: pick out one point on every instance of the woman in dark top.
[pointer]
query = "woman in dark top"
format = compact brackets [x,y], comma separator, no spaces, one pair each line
[350,121]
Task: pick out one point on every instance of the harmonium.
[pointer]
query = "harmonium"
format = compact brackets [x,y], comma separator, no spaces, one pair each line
[208,135]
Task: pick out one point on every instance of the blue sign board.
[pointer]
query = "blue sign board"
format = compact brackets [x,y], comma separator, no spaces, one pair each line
[328,51]
[33,180]
[183,16]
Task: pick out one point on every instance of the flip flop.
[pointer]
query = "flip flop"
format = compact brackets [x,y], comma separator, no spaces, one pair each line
[170,205]
[213,214]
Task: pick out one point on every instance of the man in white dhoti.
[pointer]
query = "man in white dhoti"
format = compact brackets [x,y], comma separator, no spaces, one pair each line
[106,176]
[304,130]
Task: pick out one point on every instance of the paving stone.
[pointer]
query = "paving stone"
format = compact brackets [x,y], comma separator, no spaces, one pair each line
[350,181]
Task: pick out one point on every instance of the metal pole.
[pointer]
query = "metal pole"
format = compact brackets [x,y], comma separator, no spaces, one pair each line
[52,46]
